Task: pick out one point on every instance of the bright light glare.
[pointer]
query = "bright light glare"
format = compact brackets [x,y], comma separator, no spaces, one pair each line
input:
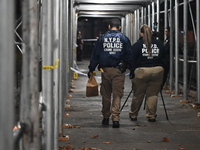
[108,1]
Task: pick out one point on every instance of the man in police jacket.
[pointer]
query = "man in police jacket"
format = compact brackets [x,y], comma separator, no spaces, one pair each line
[109,51]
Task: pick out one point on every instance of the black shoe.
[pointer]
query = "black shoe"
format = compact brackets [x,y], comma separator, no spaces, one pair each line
[133,119]
[105,121]
[115,124]
[151,120]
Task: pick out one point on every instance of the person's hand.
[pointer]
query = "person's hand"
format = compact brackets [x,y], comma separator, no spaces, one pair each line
[89,74]
[132,74]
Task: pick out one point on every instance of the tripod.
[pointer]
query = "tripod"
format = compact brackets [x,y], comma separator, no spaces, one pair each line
[164,104]
[126,99]
[145,103]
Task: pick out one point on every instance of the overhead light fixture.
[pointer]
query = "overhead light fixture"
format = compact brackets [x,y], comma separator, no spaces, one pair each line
[108,1]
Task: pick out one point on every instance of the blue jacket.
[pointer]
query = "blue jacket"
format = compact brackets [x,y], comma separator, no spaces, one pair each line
[110,49]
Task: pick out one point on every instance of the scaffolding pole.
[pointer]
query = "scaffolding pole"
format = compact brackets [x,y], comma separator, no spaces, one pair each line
[135,26]
[149,16]
[158,15]
[63,61]
[153,15]
[125,25]
[6,74]
[185,46]
[29,100]
[198,49]
[171,46]
[74,34]
[71,56]
[131,26]
[142,16]
[166,18]
[145,15]
[56,71]
[47,75]
[138,23]
[176,47]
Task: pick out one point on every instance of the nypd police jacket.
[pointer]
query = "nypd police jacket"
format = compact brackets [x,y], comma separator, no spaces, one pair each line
[110,49]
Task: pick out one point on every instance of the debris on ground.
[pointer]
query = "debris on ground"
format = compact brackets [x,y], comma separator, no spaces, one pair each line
[64,138]
[198,114]
[94,137]
[195,106]
[106,142]
[185,101]
[165,139]
[70,147]
[70,126]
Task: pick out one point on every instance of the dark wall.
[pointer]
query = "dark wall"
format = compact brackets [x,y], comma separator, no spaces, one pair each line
[91,28]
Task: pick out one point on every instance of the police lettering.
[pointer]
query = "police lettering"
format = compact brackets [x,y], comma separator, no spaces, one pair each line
[112,45]
[154,49]
[111,40]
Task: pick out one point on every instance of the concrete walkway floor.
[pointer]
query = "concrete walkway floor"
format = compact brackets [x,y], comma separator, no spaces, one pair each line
[180,132]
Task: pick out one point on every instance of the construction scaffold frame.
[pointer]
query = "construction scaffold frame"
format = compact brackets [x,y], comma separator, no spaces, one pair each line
[45,36]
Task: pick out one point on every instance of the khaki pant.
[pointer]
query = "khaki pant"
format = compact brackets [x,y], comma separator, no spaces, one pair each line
[147,83]
[112,90]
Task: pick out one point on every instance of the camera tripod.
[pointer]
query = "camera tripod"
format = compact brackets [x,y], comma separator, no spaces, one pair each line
[145,103]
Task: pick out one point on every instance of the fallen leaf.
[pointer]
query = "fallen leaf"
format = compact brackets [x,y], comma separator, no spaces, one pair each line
[106,142]
[195,106]
[185,101]
[67,101]
[64,148]
[69,96]
[198,114]
[65,138]
[73,87]
[170,92]
[93,137]
[66,115]
[165,139]
[67,106]
[70,126]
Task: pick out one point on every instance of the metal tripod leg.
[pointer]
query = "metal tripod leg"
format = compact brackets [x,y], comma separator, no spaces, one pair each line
[126,99]
[164,104]
[144,104]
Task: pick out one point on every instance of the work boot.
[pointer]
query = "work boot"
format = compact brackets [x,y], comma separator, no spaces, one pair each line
[115,124]
[152,120]
[105,121]
[133,119]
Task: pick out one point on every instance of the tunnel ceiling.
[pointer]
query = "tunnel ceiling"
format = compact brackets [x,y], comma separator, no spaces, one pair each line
[107,8]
